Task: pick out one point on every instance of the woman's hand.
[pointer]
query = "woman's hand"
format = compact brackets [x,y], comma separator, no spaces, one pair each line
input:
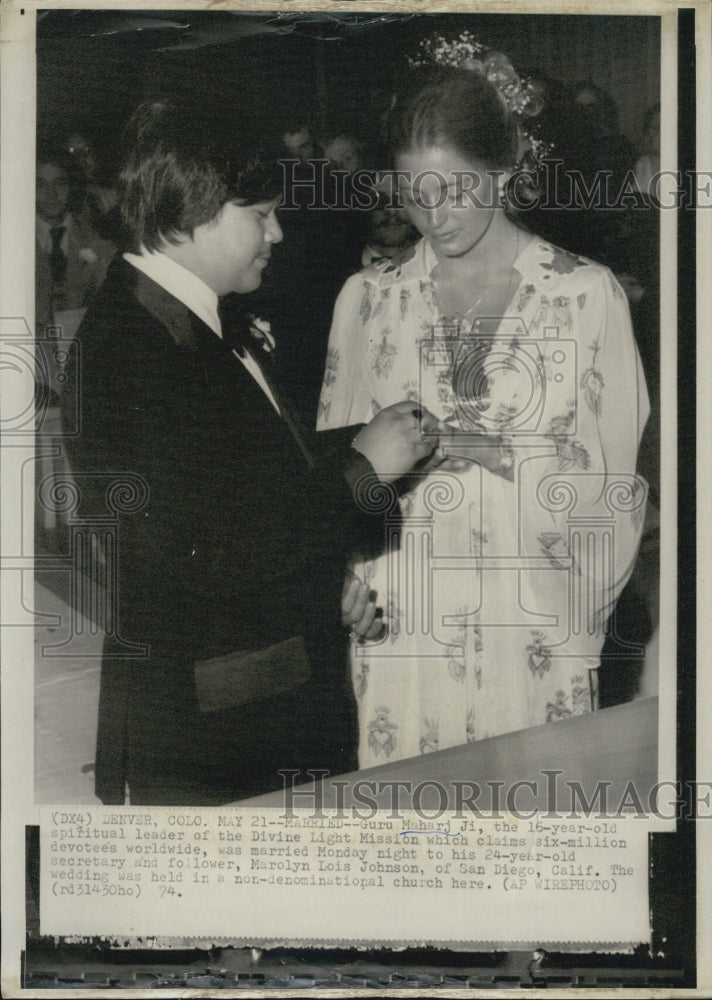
[398,437]
[359,611]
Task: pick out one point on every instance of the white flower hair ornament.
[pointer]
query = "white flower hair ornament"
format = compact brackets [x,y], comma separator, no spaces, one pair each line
[520,95]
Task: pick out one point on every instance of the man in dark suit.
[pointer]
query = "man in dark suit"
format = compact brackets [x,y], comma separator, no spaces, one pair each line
[70,257]
[235,560]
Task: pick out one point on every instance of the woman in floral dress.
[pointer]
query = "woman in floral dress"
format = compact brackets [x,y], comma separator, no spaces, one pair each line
[508,557]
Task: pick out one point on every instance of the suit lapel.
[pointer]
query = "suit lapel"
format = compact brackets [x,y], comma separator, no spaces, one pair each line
[172,314]
[288,415]
[189,332]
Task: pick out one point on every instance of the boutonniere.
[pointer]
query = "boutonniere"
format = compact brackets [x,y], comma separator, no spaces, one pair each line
[261,333]
[88,255]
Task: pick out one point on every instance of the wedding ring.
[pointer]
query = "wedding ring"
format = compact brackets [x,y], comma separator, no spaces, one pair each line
[361,640]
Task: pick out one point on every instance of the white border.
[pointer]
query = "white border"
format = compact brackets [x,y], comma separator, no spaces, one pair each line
[17,131]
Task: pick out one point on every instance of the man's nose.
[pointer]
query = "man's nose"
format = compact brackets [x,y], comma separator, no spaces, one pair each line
[274,231]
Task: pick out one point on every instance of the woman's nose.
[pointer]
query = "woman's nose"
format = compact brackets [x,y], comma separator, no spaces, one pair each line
[437,214]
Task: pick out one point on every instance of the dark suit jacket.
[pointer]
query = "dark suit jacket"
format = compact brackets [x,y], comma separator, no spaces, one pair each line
[241,544]
[88,256]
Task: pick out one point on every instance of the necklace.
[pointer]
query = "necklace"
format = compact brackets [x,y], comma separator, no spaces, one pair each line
[469,316]
[475,321]
[471,362]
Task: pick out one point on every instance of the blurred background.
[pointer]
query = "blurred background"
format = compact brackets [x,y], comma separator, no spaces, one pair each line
[95,66]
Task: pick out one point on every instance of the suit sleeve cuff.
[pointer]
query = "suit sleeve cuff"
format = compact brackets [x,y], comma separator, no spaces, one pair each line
[359,473]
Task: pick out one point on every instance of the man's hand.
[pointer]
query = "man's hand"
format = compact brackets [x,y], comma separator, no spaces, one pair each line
[359,611]
[397,438]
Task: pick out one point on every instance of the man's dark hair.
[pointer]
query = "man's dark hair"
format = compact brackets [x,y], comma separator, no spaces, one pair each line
[56,156]
[600,112]
[182,166]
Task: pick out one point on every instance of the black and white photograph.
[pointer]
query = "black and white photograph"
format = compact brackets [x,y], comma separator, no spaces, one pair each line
[351,431]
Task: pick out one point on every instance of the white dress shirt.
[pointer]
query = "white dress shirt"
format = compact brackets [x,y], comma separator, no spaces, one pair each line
[192,291]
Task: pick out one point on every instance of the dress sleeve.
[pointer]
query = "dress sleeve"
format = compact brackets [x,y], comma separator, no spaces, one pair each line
[345,398]
[611,399]
[580,497]
[612,390]
[596,401]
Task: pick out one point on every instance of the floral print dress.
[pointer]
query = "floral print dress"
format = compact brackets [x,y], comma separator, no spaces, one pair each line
[495,588]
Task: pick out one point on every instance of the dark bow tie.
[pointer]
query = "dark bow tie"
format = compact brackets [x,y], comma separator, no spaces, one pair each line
[239,330]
